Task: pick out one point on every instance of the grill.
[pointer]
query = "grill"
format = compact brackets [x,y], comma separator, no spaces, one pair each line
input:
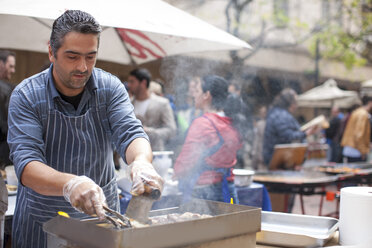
[227,221]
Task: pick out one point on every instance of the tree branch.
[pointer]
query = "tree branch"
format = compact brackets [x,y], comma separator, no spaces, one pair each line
[228,19]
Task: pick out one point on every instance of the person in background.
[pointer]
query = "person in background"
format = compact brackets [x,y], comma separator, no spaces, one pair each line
[187,113]
[235,88]
[154,111]
[331,133]
[208,155]
[63,123]
[156,88]
[357,135]
[257,158]
[281,127]
[7,69]
[344,121]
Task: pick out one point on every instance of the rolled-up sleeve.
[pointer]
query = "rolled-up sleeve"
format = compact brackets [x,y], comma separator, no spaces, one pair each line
[25,131]
[124,125]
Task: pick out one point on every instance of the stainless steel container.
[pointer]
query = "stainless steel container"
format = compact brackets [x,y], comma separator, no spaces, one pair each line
[227,221]
[293,230]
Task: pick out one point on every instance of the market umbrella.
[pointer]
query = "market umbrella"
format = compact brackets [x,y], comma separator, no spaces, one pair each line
[366,88]
[134,32]
[327,95]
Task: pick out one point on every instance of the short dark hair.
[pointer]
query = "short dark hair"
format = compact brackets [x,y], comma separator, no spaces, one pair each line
[72,20]
[141,74]
[232,105]
[366,99]
[4,54]
[285,98]
[236,109]
[218,88]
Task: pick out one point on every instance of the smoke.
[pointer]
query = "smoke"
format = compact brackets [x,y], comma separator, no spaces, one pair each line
[179,70]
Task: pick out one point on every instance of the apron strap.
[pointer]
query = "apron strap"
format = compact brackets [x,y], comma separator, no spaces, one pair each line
[226,172]
[188,183]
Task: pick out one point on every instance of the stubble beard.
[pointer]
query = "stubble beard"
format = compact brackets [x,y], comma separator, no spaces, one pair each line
[76,83]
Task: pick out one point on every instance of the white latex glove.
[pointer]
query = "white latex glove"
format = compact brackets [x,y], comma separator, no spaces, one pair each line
[85,196]
[144,178]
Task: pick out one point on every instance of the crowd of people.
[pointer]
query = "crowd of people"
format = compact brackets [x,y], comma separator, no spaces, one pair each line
[61,128]
[63,125]
[349,134]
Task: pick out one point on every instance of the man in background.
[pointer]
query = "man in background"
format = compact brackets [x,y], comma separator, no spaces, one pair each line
[281,127]
[257,149]
[154,111]
[357,134]
[333,139]
[7,69]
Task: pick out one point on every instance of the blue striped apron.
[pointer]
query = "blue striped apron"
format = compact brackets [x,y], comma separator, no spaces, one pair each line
[79,145]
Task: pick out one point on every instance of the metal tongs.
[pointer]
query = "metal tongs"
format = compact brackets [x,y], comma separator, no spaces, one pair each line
[123,221]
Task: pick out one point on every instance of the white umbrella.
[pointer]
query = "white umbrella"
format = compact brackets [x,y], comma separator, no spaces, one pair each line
[367,84]
[134,31]
[366,88]
[327,95]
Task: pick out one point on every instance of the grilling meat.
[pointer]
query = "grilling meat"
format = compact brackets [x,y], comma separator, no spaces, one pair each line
[161,219]
[172,218]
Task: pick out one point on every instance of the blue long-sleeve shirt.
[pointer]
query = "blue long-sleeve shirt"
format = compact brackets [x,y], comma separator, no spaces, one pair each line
[45,128]
[29,108]
[281,128]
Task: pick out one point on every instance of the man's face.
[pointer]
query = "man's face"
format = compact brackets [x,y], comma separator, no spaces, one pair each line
[199,96]
[8,68]
[74,62]
[293,107]
[135,86]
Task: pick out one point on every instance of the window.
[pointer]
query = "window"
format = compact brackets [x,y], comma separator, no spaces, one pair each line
[339,11]
[326,10]
[281,12]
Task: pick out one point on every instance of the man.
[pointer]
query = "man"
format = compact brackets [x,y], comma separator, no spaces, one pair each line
[332,134]
[7,69]
[62,124]
[357,134]
[154,111]
[281,127]
[259,129]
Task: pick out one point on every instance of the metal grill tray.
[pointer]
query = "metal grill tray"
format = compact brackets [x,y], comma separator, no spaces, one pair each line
[360,168]
[294,230]
[227,221]
[294,177]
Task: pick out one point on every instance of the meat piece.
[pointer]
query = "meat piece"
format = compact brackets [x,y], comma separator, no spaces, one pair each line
[173,218]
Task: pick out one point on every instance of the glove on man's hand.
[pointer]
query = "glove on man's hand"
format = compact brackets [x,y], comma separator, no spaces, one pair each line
[85,195]
[144,178]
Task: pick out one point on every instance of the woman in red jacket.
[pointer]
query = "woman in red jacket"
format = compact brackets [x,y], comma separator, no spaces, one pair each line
[204,165]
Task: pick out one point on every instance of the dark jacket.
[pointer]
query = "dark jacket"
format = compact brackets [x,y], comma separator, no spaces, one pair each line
[332,131]
[281,128]
[5,92]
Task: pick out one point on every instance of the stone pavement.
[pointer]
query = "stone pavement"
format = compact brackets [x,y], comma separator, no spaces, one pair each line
[312,202]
